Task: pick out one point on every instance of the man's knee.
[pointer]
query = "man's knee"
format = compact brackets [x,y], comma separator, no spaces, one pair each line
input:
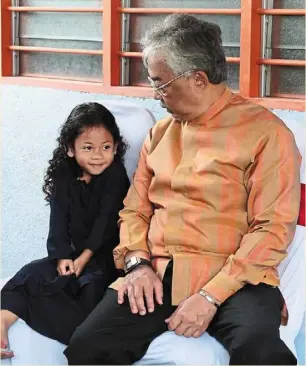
[95,348]
[262,350]
[79,351]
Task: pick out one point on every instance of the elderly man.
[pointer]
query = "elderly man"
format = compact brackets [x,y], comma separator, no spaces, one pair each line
[208,218]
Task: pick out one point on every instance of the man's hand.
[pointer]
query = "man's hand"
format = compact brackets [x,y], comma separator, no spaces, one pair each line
[62,265]
[192,317]
[142,282]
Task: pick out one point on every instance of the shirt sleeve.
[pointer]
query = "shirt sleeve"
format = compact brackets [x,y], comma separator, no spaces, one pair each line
[58,242]
[273,184]
[105,231]
[136,216]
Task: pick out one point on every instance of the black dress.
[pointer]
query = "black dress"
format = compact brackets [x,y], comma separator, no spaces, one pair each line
[82,216]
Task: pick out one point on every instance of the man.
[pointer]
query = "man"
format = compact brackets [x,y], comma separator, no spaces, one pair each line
[211,211]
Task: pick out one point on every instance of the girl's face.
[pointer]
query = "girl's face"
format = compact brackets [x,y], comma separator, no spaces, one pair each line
[94,150]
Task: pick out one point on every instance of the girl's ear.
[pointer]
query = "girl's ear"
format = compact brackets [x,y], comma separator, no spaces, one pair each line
[70,152]
[115,149]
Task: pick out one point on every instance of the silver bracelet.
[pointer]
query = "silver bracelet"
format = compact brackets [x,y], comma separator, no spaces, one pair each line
[208,298]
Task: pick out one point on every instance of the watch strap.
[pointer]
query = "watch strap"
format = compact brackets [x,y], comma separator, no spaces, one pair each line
[135,262]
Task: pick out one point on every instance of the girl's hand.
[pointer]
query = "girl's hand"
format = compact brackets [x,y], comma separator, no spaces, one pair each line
[81,261]
[62,265]
[79,265]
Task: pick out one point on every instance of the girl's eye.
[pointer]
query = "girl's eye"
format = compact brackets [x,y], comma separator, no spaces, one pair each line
[106,147]
[87,148]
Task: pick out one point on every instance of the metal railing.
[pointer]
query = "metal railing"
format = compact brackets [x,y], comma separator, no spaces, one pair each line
[250,59]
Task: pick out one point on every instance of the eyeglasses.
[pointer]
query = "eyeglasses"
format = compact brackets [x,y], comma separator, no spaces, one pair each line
[160,89]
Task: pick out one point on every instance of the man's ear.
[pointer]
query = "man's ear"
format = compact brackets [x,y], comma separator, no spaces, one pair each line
[201,79]
[70,152]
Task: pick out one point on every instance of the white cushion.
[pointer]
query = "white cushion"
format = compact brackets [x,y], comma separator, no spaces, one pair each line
[32,348]
[170,349]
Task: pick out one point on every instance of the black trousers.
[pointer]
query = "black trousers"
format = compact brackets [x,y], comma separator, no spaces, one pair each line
[247,325]
[51,305]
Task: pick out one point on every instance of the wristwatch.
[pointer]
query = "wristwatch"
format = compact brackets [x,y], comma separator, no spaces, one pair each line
[135,262]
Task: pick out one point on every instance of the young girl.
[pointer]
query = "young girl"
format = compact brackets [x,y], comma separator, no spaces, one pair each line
[85,185]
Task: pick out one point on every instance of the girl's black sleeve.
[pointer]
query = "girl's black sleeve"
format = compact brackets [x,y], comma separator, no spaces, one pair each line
[58,242]
[114,187]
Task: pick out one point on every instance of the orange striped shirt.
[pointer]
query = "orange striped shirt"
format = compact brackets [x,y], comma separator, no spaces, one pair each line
[219,195]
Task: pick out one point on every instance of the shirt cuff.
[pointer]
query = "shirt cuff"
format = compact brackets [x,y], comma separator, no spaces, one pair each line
[121,251]
[222,286]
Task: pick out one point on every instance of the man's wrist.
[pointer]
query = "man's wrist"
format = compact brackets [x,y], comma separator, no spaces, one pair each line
[209,298]
[135,262]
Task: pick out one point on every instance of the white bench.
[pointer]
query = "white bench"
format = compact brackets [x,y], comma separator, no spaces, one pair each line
[32,348]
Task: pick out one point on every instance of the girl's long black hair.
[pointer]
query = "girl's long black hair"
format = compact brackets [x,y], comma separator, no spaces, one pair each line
[83,116]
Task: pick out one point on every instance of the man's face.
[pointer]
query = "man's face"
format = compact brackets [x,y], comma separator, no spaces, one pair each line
[180,96]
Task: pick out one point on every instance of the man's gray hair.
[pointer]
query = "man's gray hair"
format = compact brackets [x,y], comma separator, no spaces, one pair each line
[187,43]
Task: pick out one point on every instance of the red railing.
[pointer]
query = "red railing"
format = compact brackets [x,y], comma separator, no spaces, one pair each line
[250,59]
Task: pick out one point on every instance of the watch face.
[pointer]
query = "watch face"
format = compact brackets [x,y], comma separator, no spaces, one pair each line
[131,262]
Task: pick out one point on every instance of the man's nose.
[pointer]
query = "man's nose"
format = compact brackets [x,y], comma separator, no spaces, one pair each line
[157,96]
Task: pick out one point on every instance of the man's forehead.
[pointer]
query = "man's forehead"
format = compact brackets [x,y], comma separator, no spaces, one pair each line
[158,69]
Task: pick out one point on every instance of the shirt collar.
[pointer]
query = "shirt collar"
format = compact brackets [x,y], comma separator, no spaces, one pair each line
[207,117]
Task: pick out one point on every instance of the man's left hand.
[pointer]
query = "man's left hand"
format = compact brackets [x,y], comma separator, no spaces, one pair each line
[192,317]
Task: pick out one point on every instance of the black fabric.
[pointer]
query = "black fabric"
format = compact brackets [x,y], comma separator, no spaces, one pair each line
[53,307]
[82,216]
[247,324]
[85,215]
